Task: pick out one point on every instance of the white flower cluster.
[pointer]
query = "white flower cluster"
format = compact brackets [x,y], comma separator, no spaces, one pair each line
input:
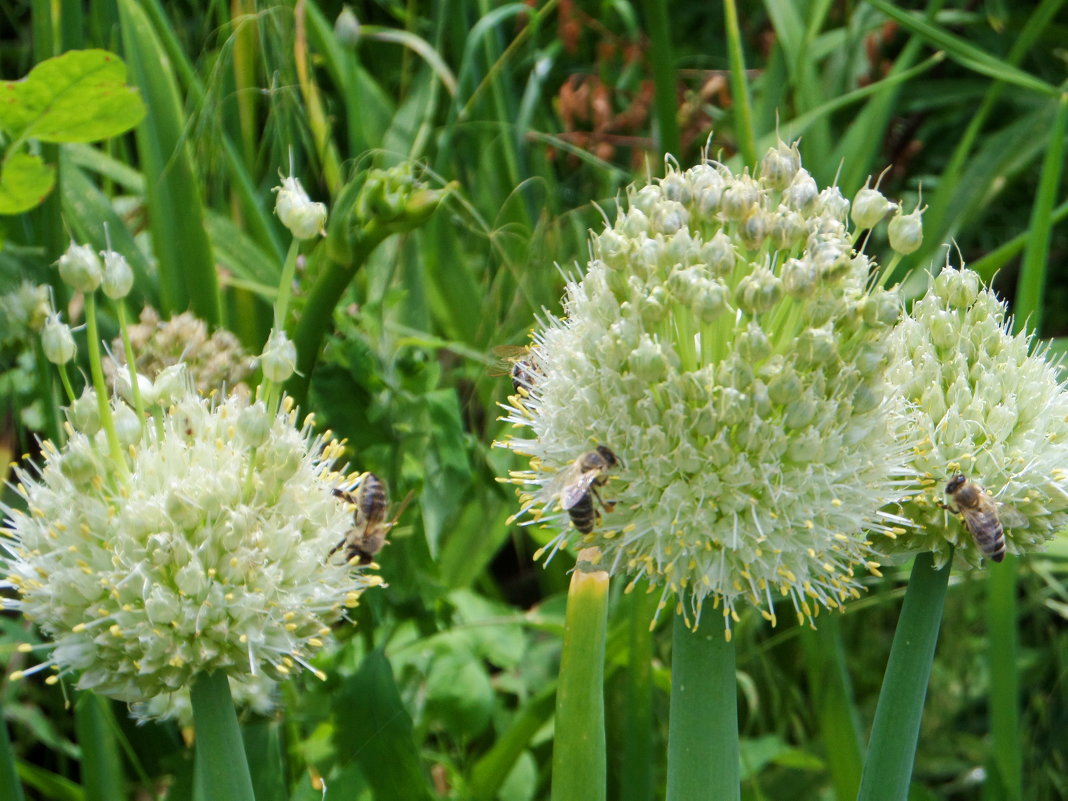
[207,550]
[727,345]
[982,402]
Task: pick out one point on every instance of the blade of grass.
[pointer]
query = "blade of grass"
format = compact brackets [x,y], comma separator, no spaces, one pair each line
[962,51]
[1032,282]
[996,259]
[703,753]
[579,750]
[102,774]
[896,729]
[176,214]
[10,786]
[948,183]
[221,768]
[743,115]
[665,98]
[832,694]
[489,773]
[1005,739]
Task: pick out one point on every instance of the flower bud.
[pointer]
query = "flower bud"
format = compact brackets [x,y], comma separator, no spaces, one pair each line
[127,426]
[118,276]
[779,166]
[709,300]
[958,288]
[905,232]
[740,198]
[347,27]
[57,341]
[171,385]
[830,203]
[799,277]
[759,291]
[254,424]
[787,229]
[80,268]
[753,229]
[298,213]
[84,413]
[279,359]
[802,191]
[869,207]
[79,463]
[718,254]
[647,361]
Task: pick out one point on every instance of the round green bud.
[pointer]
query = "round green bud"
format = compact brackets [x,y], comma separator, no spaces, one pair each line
[57,341]
[279,358]
[304,218]
[118,276]
[870,207]
[905,232]
[80,269]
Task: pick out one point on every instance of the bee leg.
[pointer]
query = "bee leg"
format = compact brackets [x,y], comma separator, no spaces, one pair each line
[608,505]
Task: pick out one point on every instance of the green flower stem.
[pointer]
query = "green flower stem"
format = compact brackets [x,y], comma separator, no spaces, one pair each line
[896,730]
[10,786]
[636,781]
[285,286]
[743,114]
[667,107]
[579,750]
[64,379]
[1004,702]
[702,758]
[220,767]
[97,371]
[319,311]
[102,775]
[131,361]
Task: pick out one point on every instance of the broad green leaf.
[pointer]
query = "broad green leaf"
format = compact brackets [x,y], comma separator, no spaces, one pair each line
[80,96]
[24,182]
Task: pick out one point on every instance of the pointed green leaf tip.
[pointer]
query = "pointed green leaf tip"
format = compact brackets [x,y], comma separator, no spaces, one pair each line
[80,96]
[24,181]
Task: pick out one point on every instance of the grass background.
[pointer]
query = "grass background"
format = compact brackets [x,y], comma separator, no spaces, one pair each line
[541,113]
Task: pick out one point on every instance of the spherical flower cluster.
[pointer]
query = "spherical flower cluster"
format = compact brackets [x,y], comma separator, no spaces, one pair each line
[984,403]
[214,362]
[726,344]
[206,549]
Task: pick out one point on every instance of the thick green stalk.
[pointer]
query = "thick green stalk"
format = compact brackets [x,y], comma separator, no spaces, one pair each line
[636,781]
[102,775]
[1005,699]
[579,750]
[666,98]
[896,730]
[318,313]
[10,786]
[702,758]
[220,766]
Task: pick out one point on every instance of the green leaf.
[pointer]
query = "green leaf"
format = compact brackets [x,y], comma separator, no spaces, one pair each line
[372,725]
[24,182]
[80,96]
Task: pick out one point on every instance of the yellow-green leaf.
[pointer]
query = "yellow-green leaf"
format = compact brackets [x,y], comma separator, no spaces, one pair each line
[80,96]
[24,182]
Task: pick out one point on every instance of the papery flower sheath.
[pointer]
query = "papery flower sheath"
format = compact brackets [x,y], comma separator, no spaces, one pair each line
[727,344]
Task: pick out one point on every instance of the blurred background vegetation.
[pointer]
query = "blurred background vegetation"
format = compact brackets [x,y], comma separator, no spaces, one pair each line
[537,114]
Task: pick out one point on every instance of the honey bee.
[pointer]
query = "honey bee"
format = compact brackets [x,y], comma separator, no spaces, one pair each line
[514,361]
[370,526]
[984,517]
[577,486]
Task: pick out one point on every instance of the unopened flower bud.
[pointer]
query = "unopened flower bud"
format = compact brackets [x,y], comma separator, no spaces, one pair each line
[799,277]
[958,288]
[869,207]
[759,291]
[57,341]
[172,384]
[84,413]
[906,232]
[347,27]
[127,426]
[740,198]
[279,359]
[80,268]
[298,213]
[802,191]
[118,276]
[254,424]
[779,166]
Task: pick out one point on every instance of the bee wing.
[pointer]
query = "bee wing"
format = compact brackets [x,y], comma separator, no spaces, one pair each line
[1011,517]
[507,356]
[576,490]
